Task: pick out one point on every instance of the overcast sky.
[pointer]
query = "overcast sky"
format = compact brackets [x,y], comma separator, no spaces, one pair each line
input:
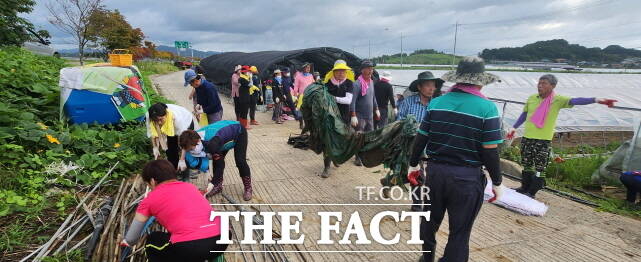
[253,25]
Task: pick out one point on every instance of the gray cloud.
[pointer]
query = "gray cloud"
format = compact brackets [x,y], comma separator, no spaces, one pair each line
[352,25]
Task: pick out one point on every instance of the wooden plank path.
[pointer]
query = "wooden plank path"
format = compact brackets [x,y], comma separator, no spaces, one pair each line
[284,175]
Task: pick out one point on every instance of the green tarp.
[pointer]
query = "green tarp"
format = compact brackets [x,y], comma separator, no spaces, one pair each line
[328,135]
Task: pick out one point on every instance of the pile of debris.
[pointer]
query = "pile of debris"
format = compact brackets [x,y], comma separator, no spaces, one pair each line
[97,224]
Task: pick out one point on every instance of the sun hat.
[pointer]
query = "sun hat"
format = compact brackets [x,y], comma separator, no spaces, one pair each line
[367,63]
[471,70]
[386,75]
[339,65]
[425,76]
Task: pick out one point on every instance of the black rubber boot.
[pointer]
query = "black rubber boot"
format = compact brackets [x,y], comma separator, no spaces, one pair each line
[526,180]
[537,184]
[326,172]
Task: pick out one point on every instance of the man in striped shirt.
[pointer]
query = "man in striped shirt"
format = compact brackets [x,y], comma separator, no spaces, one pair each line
[428,87]
[460,133]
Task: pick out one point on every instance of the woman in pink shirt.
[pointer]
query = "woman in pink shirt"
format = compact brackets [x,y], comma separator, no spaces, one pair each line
[302,79]
[181,209]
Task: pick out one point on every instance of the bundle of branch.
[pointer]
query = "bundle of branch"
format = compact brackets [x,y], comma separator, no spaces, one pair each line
[70,235]
[129,194]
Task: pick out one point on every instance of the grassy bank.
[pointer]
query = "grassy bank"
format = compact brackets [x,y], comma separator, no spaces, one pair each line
[571,173]
[37,191]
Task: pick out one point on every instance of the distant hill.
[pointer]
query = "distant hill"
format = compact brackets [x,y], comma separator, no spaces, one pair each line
[420,56]
[560,49]
[197,53]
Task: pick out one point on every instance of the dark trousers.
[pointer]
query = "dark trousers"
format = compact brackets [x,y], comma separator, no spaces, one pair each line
[383,121]
[240,156]
[252,106]
[173,149]
[243,107]
[278,110]
[158,248]
[459,191]
[633,186]
[236,108]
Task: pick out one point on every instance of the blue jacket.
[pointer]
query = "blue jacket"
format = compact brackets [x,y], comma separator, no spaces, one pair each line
[207,97]
[227,130]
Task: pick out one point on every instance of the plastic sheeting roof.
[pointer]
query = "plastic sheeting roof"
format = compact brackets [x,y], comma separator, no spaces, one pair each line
[219,68]
[518,86]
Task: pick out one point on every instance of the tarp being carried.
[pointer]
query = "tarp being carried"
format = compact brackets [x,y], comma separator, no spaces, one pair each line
[328,134]
[219,68]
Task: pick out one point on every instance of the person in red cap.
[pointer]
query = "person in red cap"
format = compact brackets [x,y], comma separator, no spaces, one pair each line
[243,96]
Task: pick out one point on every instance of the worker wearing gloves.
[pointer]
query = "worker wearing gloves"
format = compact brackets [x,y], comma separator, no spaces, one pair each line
[460,133]
[206,97]
[181,209]
[539,115]
[165,122]
[364,102]
[278,95]
[339,83]
[216,140]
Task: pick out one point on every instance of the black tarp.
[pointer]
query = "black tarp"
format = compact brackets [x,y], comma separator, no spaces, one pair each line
[219,68]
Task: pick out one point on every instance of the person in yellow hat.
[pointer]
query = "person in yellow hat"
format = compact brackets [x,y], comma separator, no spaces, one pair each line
[339,83]
[254,94]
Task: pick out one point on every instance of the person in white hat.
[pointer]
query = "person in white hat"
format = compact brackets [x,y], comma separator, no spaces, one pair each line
[234,89]
[384,93]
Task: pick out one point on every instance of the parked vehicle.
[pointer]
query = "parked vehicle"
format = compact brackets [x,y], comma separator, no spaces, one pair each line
[183,64]
[40,46]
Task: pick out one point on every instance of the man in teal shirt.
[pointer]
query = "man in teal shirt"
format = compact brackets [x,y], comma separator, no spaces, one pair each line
[541,111]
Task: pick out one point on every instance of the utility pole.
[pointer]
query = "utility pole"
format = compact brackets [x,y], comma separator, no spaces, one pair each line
[454,53]
[192,52]
[401,49]
[353,49]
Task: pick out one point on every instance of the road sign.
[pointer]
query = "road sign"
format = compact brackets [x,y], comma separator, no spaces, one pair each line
[181,44]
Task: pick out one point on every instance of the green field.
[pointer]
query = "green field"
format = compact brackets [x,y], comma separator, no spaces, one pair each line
[423,59]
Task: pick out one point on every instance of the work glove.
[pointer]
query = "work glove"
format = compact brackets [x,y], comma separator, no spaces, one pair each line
[413,174]
[510,133]
[156,152]
[277,100]
[498,192]
[605,101]
[124,243]
[354,121]
[378,114]
[182,165]
[396,112]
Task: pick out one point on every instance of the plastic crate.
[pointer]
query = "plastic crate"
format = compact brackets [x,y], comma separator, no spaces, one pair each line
[121,57]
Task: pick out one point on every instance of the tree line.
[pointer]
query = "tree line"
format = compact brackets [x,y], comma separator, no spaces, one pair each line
[89,22]
[560,49]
